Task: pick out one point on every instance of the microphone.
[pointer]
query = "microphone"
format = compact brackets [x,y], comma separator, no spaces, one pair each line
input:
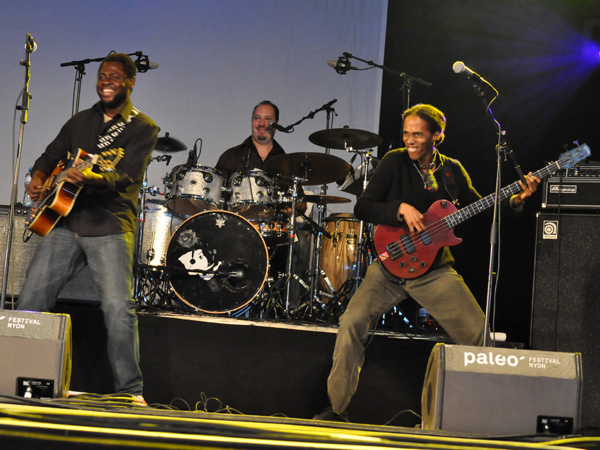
[143,64]
[273,124]
[192,157]
[30,44]
[341,65]
[459,67]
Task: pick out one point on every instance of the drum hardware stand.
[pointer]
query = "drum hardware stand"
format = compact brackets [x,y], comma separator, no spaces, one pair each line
[291,239]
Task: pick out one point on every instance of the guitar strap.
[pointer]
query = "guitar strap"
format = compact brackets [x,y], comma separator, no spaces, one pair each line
[106,140]
[449,182]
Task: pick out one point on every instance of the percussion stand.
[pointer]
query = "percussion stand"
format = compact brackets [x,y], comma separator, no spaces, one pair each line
[366,159]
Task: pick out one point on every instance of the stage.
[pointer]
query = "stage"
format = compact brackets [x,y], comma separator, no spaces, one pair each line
[221,382]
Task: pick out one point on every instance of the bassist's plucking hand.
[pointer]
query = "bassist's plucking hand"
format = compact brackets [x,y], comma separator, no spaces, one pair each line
[412,217]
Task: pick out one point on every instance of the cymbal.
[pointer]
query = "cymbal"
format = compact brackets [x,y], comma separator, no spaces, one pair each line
[324,199]
[169,144]
[315,168]
[341,138]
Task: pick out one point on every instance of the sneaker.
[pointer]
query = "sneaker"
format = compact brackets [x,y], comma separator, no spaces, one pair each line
[330,415]
[139,399]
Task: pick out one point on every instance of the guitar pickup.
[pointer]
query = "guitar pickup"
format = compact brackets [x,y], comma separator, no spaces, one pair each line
[408,244]
[394,251]
[425,238]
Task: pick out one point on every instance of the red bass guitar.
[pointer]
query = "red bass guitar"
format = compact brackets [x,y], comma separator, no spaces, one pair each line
[409,255]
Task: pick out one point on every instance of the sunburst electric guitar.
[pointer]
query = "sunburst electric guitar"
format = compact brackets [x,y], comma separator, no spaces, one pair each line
[409,255]
[59,195]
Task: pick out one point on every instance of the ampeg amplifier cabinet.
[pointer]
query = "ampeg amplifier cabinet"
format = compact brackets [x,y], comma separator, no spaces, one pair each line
[79,288]
[573,189]
[35,350]
[565,306]
[491,390]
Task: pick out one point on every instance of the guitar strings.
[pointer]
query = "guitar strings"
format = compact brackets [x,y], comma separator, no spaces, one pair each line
[443,224]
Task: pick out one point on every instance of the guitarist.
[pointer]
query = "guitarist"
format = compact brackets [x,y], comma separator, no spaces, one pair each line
[99,231]
[405,184]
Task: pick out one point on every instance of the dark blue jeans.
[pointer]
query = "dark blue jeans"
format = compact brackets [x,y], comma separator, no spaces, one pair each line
[59,257]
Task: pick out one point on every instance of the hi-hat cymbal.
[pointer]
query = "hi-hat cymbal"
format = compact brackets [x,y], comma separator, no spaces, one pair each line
[324,199]
[315,168]
[341,138]
[169,144]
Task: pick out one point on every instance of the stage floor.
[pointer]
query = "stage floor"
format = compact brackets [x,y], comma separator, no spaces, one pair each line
[100,422]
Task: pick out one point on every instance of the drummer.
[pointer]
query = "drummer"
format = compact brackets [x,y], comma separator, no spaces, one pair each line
[254,153]
[257,148]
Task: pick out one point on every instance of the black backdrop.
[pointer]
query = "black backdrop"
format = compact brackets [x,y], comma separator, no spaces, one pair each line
[531,51]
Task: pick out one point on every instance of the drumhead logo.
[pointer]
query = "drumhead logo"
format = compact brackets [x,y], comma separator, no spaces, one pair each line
[491,359]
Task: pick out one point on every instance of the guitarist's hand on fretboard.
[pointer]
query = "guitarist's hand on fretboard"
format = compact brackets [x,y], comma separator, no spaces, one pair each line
[526,191]
[86,176]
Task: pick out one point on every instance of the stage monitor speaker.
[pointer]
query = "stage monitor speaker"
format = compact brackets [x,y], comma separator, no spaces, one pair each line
[35,350]
[565,306]
[496,391]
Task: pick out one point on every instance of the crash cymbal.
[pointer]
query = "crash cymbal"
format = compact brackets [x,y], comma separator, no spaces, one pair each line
[315,168]
[169,144]
[324,199]
[341,138]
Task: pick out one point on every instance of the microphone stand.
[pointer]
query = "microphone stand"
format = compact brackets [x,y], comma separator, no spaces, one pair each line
[409,80]
[29,49]
[142,63]
[321,213]
[494,233]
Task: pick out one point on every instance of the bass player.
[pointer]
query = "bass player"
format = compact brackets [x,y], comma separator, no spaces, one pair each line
[406,183]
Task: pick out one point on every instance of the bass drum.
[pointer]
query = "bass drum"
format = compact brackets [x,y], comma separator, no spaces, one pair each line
[158,227]
[218,262]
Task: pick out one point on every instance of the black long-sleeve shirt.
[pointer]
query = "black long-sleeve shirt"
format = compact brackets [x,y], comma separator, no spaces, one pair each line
[112,209]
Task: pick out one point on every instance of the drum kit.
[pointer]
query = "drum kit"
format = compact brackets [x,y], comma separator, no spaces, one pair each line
[215,245]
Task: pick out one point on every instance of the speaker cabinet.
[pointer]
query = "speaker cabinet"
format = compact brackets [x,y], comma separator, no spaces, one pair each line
[78,288]
[35,350]
[501,391]
[565,307]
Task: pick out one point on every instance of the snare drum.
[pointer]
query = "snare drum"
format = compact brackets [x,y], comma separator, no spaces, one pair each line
[193,190]
[251,194]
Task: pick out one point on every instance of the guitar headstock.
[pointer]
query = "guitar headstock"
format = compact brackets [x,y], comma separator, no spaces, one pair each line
[569,158]
[108,159]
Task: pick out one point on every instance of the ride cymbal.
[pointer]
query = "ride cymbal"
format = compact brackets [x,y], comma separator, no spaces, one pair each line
[315,168]
[342,138]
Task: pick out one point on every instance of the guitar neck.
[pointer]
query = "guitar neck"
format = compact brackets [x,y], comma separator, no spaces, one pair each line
[487,202]
[81,167]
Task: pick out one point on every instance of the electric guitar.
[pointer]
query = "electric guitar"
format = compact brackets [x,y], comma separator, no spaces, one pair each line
[59,195]
[409,255]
